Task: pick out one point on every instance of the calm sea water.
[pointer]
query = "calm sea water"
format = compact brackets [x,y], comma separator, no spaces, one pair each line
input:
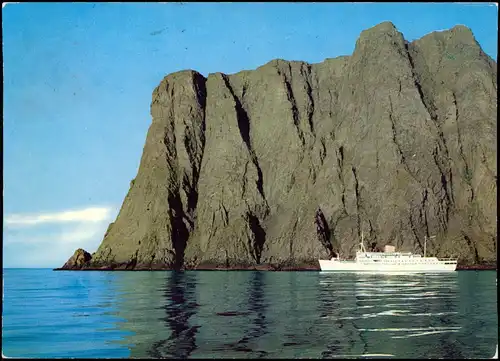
[248,314]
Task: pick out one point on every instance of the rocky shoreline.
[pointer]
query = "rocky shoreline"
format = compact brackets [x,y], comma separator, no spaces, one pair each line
[205,267]
[478,267]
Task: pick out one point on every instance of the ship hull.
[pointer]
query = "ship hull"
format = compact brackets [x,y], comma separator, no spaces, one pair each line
[352,266]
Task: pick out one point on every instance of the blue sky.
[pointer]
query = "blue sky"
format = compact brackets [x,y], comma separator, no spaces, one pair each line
[78,79]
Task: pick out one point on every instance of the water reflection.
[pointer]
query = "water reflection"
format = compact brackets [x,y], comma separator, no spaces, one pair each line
[258,326]
[305,315]
[335,292]
[390,314]
[180,307]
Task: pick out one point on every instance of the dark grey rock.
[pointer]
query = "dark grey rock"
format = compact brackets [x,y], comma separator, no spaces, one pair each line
[290,162]
[79,259]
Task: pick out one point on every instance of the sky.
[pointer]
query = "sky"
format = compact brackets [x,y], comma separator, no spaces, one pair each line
[78,79]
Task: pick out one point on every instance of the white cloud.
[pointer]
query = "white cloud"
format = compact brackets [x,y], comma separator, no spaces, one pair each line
[64,234]
[83,232]
[93,214]
[49,239]
[7,3]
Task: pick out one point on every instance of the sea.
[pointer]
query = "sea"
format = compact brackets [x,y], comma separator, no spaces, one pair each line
[248,314]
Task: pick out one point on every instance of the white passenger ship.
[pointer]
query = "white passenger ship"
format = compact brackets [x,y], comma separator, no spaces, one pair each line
[389,261]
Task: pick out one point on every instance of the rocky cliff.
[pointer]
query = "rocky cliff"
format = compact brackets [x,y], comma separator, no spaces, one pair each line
[79,259]
[291,162]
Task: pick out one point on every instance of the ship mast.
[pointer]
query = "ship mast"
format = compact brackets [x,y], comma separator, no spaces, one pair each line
[425,244]
[363,249]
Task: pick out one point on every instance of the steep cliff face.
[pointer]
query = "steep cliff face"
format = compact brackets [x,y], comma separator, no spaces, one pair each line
[290,162]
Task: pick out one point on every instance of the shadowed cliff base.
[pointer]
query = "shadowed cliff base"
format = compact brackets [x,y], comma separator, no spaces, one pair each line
[290,163]
[311,266]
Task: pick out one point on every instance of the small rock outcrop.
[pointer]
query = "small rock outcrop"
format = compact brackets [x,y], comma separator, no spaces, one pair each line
[277,167]
[79,259]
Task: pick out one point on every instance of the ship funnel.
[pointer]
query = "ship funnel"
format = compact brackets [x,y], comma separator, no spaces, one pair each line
[389,249]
